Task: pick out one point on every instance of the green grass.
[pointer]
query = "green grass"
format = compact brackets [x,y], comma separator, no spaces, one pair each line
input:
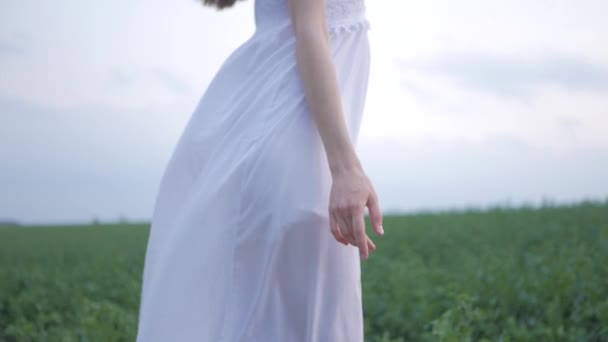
[519,274]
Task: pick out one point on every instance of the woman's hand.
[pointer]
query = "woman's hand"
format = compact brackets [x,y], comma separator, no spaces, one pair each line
[351,192]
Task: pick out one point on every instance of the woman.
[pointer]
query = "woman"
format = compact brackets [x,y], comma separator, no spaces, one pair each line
[258,228]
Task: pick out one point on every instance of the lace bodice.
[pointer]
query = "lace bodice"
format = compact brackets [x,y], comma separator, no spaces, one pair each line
[341,14]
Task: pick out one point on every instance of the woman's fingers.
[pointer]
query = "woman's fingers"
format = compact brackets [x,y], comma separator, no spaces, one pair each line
[358,220]
[371,245]
[347,224]
[345,229]
[375,215]
[335,230]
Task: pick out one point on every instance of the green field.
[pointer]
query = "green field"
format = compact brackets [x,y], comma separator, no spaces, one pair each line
[499,274]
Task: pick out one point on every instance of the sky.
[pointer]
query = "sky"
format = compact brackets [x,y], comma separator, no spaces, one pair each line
[470,103]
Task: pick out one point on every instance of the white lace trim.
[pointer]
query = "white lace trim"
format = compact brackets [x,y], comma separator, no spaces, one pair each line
[349,26]
[339,9]
[346,15]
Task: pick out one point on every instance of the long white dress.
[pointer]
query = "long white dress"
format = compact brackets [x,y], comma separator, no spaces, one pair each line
[240,247]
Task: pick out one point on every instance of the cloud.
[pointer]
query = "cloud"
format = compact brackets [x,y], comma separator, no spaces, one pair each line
[570,125]
[171,81]
[455,173]
[510,75]
[73,163]
[10,48]
[70,164]
[14,45]
[119,78]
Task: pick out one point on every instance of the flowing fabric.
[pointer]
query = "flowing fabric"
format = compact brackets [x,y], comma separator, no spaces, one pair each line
[240,247]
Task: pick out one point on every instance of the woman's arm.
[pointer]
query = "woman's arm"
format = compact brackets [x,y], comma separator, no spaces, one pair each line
[351,189]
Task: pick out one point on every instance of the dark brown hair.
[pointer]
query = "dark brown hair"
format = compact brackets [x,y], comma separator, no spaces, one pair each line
[219,4]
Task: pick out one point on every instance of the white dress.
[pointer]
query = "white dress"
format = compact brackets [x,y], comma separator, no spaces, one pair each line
[240,247]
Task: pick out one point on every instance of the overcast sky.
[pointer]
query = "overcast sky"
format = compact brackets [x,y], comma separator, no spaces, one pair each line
[470,103]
